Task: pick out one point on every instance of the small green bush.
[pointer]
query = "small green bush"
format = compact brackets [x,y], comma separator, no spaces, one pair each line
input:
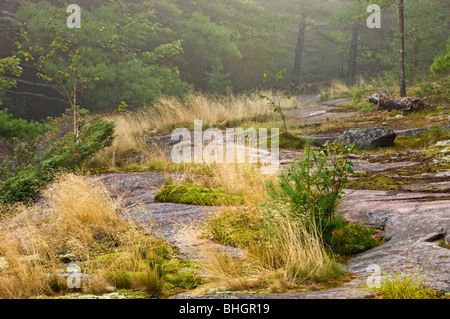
[441,64]
[192,194]
[29,164]
[359,94]
[11,128]
[313,184]
[436,91]
[311,188]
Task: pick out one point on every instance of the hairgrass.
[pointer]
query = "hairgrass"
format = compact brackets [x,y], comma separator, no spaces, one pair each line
[340,89]
[77,221]
[170,112]
[286,253]
[410,285]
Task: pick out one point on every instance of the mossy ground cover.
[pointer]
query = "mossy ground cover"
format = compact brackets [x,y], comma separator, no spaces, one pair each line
[396,178]
[193,194]
[348,238]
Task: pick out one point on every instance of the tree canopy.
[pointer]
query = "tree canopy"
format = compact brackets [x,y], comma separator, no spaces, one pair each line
[134,52]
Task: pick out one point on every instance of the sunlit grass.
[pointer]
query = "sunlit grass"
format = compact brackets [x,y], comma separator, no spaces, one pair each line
[81,223]
[171,113]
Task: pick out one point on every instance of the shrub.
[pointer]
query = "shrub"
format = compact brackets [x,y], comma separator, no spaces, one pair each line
[311,189]
[441,64]
[18,128]
[436,91]
[30,164]
[313,184]
[359,94]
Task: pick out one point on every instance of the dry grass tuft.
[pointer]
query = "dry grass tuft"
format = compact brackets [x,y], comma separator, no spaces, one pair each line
[77,222]
[171,112]
[339,88]
[288,252]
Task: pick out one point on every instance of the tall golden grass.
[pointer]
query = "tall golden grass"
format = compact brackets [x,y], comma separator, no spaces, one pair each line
[78,219]
[170,112]
[290,254]
[340,89]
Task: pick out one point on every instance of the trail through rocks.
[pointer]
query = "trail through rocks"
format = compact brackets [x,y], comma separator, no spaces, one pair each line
[317,110]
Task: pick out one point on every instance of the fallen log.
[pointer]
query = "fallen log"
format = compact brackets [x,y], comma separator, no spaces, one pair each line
[391,102]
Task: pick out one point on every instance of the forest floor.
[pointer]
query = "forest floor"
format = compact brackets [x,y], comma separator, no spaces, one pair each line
[399,191]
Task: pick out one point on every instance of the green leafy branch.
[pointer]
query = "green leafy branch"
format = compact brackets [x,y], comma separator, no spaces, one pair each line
[275,100]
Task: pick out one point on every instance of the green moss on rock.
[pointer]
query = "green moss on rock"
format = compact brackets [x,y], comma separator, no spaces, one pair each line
[193,194]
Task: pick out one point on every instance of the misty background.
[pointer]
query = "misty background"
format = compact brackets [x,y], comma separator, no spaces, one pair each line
[135,52]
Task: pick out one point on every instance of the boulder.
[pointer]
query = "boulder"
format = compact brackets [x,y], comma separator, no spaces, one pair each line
[369,137]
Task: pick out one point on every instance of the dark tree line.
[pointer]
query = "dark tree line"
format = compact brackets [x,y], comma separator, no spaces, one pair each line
[137,51]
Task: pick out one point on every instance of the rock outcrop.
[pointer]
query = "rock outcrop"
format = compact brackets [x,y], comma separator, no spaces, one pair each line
[368,137]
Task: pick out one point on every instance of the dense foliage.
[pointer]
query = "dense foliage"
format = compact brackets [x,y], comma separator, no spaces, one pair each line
[32,154]
[136,51]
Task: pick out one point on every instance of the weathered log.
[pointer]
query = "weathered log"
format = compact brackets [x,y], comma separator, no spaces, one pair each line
[392,102]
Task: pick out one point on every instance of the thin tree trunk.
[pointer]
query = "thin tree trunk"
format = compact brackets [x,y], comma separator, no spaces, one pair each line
[299,52]
[353,53]
[402,49]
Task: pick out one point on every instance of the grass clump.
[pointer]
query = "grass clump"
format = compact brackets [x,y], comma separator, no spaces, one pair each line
[193,194]
[341,89]
[286,253]
[409,285]
[169,113]
[79,222]
[292,236]
[367,108]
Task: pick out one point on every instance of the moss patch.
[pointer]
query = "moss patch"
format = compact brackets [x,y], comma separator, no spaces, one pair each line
[288,141]
[193,194]
[233,228]
[382,182]
[352,238]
